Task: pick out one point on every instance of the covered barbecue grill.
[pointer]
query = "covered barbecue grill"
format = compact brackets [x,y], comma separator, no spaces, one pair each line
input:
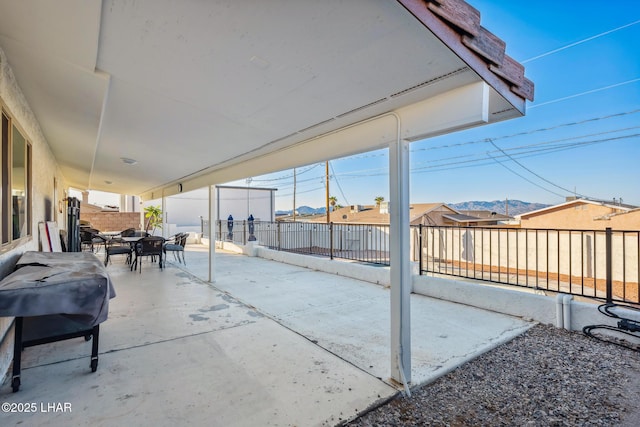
[55,296]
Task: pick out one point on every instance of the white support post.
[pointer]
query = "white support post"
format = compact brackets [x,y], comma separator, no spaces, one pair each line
[165,216]
[213,209]
[400,262]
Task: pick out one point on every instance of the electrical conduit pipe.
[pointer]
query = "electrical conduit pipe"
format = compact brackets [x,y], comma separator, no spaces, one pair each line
[566,311]
[559,314]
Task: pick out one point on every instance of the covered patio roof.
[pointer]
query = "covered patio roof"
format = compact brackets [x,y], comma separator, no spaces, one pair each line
[198,93]
[156,97]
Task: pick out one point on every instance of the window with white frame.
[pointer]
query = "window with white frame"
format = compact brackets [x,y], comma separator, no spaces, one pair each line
[16,181]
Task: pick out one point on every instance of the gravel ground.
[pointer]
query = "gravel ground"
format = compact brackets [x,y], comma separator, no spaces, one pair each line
[545,377]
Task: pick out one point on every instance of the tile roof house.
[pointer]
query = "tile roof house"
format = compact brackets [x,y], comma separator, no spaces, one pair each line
[431,214]
[438,214]
[477,219]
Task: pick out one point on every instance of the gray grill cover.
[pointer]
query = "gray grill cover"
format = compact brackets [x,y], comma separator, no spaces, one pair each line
[75,284]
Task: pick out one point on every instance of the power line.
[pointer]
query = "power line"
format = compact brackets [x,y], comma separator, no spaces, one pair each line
[578,42]
[474,162]
[287,176]
[482,160]
[338,183]
[530,171]
[523,177]
[530,132]
[513,135]
[521,155]
[543,148]
[301,192]
[584,93]
[478,162]
[523,147]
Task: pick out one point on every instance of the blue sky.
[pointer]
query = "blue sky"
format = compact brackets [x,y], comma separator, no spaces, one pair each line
[582,144]
[580,135]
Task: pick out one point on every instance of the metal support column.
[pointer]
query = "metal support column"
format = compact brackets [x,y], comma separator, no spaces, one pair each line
[213,209]
[399,239]
[165,214]
[608,265]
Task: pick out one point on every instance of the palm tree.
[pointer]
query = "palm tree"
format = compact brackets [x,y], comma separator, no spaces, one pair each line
[154,218]
[332,201]
[379,200]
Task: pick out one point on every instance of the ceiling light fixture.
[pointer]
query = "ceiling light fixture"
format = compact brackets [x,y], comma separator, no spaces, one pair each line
[128,161]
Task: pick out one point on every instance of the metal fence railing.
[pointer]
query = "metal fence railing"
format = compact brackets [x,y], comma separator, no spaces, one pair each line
[367,243]
[603,264]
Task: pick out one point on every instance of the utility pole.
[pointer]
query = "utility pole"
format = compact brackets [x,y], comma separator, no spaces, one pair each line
[326,172]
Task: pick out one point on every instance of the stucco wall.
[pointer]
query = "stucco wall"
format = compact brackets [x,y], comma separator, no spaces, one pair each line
[574,217]
[44,171]
[627,221]
[518,302]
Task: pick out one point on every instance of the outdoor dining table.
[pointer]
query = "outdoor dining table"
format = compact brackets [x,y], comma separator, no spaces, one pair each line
[131,240]
[55,296]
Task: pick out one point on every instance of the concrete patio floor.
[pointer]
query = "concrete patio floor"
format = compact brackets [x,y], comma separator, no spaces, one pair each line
[266,344]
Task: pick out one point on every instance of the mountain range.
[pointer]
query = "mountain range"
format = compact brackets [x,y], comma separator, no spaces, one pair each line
[515,207]
[304,210]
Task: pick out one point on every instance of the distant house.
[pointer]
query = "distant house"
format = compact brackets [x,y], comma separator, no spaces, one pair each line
[477,218]
[433,214]
[437,214]
[582,214]
[360,214]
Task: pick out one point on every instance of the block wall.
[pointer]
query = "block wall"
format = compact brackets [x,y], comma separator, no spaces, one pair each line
[113,221]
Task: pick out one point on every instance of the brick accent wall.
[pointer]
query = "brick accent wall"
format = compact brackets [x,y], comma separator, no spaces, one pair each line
[112,221]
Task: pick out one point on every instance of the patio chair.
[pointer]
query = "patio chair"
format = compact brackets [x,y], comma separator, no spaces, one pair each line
[150,246]
[89,239]
[117,246]
[129,232]
[176,245]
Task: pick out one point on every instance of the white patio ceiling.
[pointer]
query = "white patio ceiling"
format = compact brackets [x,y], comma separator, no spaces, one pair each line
[210,91]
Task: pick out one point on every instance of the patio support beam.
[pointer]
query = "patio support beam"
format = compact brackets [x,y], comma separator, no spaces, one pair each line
[400,262]
[165,217]
[213,209]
